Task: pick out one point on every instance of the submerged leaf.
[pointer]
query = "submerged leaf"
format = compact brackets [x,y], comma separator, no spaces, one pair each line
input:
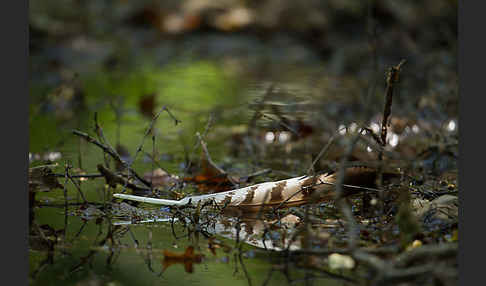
[187,259]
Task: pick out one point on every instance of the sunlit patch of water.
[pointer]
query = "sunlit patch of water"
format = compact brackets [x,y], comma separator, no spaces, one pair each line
[49,156]
[284,137]
[393,139]
[269,137]
[415,129]
[451,126]
[52,156]
[342,129]
[353,127]
[375,127]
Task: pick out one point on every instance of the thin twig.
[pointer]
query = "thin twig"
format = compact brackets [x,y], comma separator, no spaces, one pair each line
[196,145]
[211,162]
[101,136]
[76,185]
[283,124]
[392,77]
[244,267]
[150,129]
[111,152]
[321,153]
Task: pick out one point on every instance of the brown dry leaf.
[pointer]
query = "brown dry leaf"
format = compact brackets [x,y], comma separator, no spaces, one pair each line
[211,179]
[234,19]
[146,105]
[159,178]
[187,259]
[176,23]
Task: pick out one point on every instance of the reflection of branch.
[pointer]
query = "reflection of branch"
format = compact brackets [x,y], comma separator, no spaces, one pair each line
[80,230]
[148,258]
[47,243]
[90,256]
[268,276]
[244,267]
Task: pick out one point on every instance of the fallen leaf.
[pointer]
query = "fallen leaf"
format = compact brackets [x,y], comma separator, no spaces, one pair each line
[211,179]
[159,178]
[146,105]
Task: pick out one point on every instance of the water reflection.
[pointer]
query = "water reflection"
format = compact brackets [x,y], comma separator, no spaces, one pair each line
[215,247]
